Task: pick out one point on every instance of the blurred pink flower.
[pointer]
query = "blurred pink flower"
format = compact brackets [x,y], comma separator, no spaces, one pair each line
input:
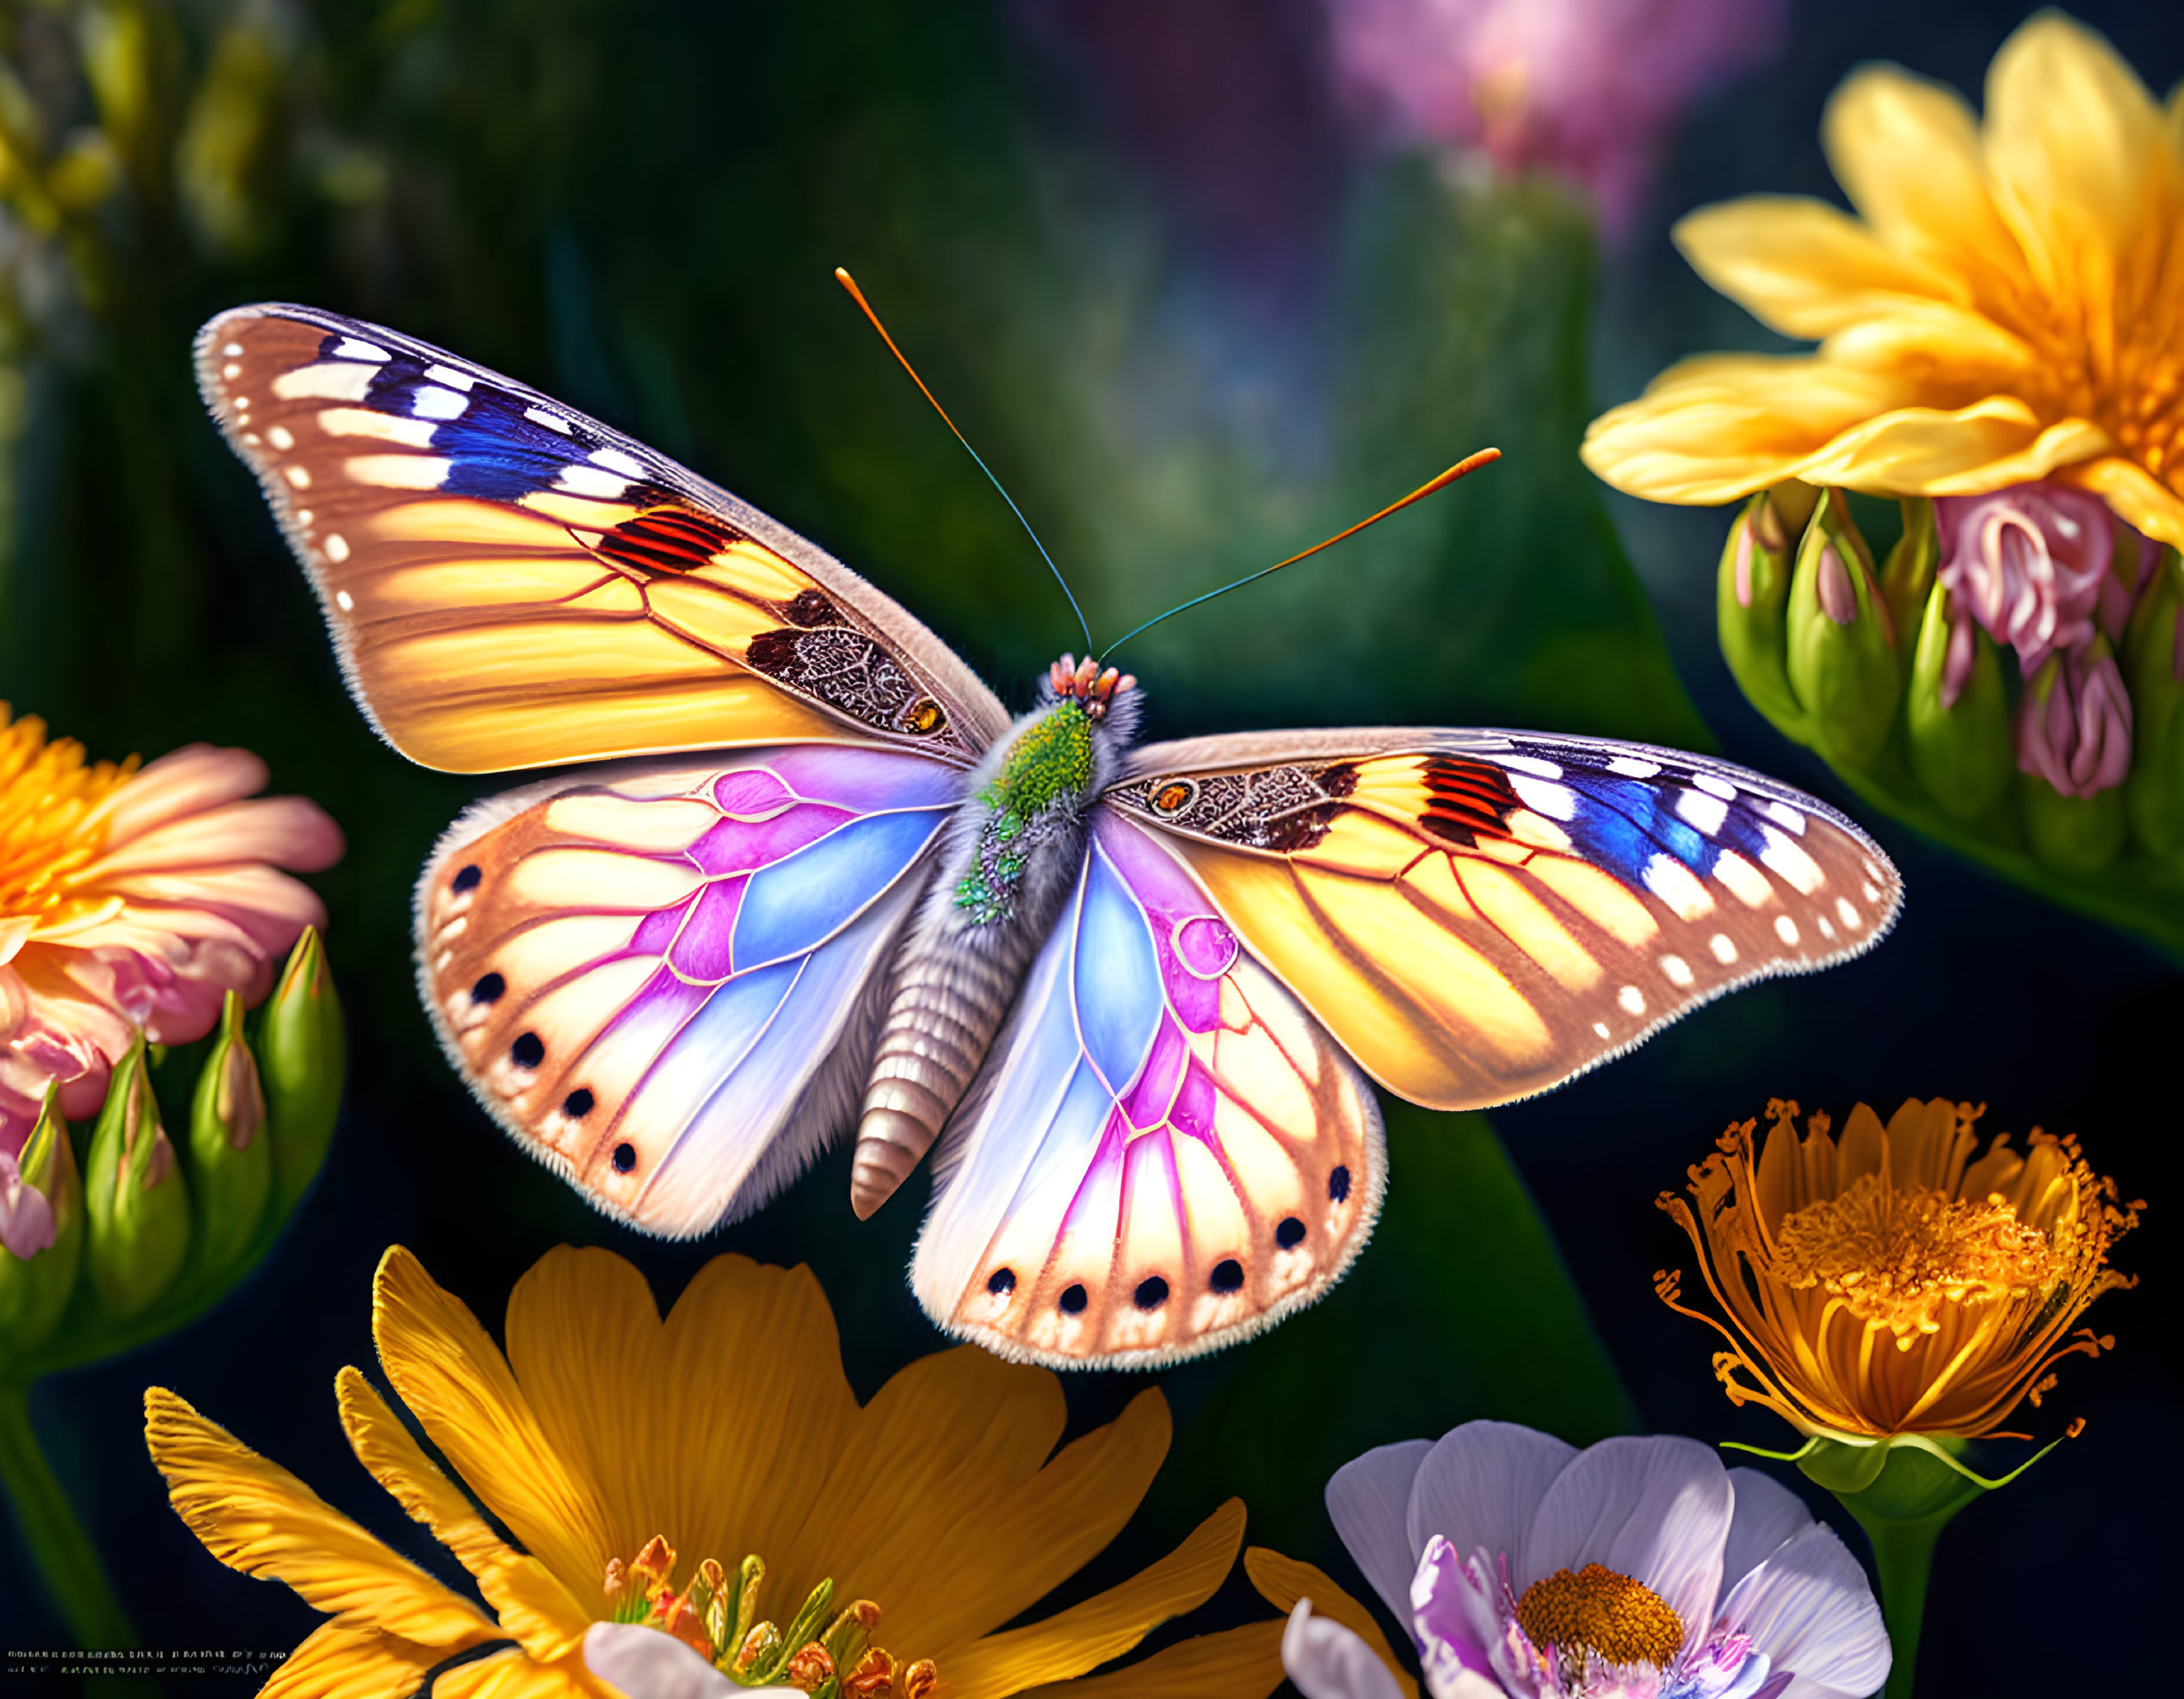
[2032,564]
[2074,726]
[1585,90]
[135,900]
[25,1218]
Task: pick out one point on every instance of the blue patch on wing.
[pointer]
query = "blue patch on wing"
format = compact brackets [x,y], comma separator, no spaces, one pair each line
[1116,977]
[1632,822]
[797,902]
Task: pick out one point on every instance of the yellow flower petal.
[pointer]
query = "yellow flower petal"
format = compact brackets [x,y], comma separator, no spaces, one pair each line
[456,1381]
[1799,265]
[715,1428]
[946,1443]
[1283,1581]
[534,1608]
[1717,428]
[254,1517]
[352,1660]
[513,1676]
[1965,451]
[1050,1527]
[2084,171]
[1242,1662]
[398,1463]
[2135,495]
[1103,1626]
[1907,152]
[1949,354]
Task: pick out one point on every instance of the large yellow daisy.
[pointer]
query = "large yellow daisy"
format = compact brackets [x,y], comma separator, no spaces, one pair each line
[2009,306]
[623,1455]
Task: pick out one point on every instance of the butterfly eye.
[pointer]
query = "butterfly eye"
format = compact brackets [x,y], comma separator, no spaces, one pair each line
[1175,796]
[925,717]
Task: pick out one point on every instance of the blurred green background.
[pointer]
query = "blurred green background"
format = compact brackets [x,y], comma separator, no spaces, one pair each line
[1192,328]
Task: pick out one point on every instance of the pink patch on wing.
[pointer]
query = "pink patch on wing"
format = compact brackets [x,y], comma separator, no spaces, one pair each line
[658,929]
[1207,947]
[741,846]
[1147,1105]
[1192,944]
[702,952]
[1194,1111]
[751,790]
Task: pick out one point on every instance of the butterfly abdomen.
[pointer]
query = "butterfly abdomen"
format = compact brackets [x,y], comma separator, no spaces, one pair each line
[1013,850]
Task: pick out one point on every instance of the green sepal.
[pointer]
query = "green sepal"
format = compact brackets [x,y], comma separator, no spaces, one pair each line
[2154,794]
[1847,676]
[34,1290]
[1909,575]
[1751,603]
[134,1194]
[231,1157]
[302,1062]
[1962,753]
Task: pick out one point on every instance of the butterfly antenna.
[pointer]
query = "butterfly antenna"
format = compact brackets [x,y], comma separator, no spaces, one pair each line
[857,295]
[1470,463]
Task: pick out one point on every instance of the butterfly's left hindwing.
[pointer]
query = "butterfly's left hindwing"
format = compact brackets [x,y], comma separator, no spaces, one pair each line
[1477,916]
[661,981]
[1165,1152]
[510,583]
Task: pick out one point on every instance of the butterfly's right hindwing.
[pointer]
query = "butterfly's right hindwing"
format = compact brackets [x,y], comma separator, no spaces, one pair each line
[663,982]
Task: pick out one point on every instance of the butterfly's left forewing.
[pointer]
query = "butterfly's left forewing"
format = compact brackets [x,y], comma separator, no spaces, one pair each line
[1477,916]
[1165,1152]
[510,583]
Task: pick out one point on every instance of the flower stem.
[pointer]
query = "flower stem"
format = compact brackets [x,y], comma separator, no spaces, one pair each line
[1903,1554]
[61,1551]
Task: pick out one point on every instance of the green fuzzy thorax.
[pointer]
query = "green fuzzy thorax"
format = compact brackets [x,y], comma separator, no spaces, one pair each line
[1052,760]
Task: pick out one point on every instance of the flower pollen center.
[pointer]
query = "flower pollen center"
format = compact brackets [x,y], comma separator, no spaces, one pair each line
[1898,1258]
[48,797]
[716,1616]
[1594,1609]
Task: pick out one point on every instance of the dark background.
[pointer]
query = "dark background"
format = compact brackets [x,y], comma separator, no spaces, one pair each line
[1193,327]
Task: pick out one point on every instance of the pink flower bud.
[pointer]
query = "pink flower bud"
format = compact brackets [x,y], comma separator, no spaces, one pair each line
[2074,726]
[26,1219]
[2031,563]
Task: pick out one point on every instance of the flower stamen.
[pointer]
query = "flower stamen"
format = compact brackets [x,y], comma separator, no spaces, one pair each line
[1596,1611]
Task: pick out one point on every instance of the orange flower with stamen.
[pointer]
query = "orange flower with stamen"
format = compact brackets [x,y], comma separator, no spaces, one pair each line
[1896,1282]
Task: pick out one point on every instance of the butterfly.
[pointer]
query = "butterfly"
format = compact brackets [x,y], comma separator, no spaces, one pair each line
[1140,994]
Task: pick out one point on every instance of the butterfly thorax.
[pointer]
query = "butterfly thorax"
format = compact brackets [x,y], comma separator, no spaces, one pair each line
[1014,849]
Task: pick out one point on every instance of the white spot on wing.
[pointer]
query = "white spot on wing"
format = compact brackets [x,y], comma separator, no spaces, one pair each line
[337,548]
[1714,787]
[327,380]
[281,438]
[1872,895]
[589,480]
[1532,764]
[1792,862]
[298,477]
[231,372]
[1849,914]
[551,421]
[345,601]
[1632,767]
[369,422]
[1744,881]
[434,403]
[449,376]
[1703,810]
[1600,1028]
[1783,815]
[615,460]
[1724,951]
[1555,801]
[233,351]
[1632,999]
[350,349]
[1827,928]
[305,516]
[1677,969]
[1786,929]
[399,472]
[1674,884]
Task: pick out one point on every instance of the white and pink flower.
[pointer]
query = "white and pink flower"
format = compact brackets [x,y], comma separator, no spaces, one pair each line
[1640,1568]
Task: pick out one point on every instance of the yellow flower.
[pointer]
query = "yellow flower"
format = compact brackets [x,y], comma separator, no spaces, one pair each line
[2010,305]
[625,1455]
[1891,1284]
[135,899]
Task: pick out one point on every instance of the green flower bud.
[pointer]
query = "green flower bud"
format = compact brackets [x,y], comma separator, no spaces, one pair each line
[2079,832]
[1751,597]
[302,1058]
[1956,717]
[1843,662]
[34,1289]
[1912,564]
[2153,664]
[138,1201]
[231,1157]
